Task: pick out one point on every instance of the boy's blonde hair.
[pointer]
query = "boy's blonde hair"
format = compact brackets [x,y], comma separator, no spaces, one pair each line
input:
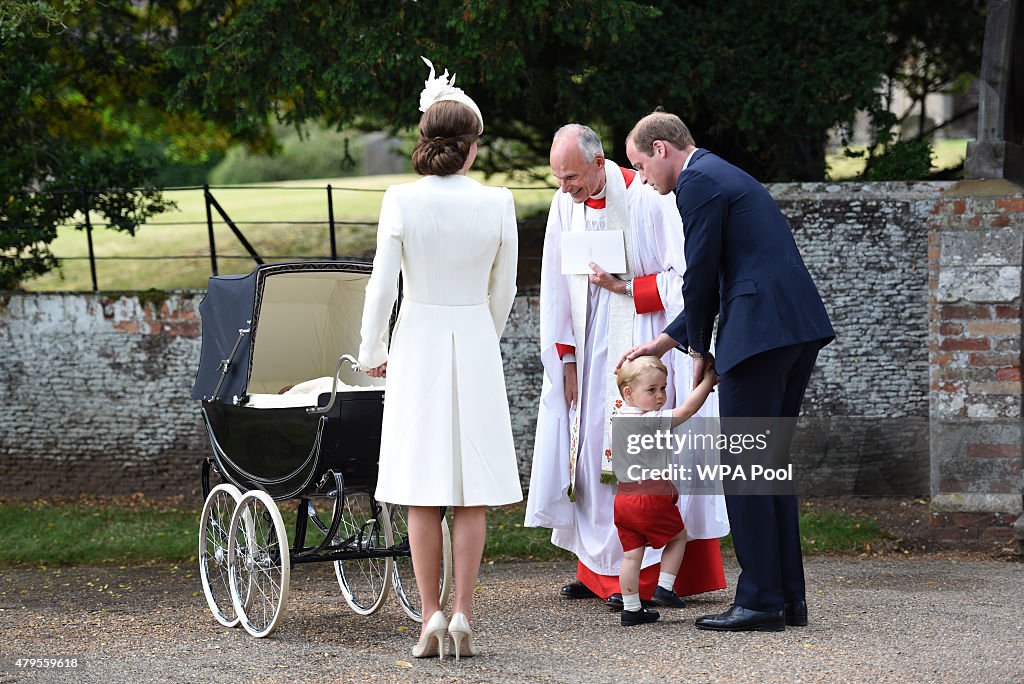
[631,370]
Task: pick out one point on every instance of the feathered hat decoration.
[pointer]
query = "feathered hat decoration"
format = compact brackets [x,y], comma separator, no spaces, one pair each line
[436,89]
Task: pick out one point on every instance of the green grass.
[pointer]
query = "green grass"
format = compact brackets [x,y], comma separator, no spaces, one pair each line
[137,531]
[946,154]
[84,533]
[827,531]
[304,200]
[824,531]
[507,539]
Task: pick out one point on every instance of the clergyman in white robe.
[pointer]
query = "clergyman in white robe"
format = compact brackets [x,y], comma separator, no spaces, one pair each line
[584,525]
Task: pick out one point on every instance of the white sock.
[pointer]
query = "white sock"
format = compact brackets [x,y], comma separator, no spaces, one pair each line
[666,581]
[631,602]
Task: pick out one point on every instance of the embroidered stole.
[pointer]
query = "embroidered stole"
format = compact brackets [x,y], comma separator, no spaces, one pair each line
[620,318]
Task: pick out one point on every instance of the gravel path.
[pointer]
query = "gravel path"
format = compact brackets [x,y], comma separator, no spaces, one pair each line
[924,619]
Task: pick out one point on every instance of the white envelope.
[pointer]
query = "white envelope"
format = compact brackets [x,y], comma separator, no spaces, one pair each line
[606,248]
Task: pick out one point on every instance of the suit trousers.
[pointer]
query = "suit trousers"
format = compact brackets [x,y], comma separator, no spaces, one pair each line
[766,527]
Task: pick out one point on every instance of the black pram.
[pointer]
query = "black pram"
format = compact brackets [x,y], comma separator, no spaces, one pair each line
[290,417]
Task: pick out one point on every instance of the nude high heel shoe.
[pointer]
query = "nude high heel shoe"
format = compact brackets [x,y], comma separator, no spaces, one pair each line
[462,636]
[431,641]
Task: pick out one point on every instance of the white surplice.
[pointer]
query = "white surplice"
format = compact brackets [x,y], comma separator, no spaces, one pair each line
[585,527]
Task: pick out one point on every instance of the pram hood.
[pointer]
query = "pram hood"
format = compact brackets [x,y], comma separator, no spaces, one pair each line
[299,318]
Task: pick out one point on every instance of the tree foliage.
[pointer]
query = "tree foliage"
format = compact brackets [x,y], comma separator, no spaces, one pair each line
[764,82]
[318,153]
[761,82]
[931,46]
[80,88]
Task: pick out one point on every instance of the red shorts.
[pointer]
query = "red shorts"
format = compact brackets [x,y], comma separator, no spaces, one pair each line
[646,519]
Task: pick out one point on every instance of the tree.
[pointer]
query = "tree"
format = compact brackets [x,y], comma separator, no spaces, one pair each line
[931,46]
[762,82]
[358,62]
[82,90]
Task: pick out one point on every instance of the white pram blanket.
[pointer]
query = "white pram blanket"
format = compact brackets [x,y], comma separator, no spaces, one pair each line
[304,394]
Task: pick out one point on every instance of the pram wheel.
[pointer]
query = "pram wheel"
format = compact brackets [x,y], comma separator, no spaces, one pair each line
[258,562]
[214,526]
[366,528]
[402,577]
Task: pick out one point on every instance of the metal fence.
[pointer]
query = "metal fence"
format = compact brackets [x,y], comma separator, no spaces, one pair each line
[217,216]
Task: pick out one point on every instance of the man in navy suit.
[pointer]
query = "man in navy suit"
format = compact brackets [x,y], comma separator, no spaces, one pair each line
[743,265]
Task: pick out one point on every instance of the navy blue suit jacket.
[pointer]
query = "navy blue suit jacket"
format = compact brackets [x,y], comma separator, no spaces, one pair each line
[743,265]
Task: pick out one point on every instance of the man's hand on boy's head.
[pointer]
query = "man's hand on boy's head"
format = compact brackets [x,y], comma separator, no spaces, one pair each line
[659,346]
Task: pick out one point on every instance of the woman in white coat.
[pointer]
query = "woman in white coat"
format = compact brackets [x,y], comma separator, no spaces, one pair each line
[446,436]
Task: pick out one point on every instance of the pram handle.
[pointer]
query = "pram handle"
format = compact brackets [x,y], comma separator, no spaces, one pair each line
[354,365]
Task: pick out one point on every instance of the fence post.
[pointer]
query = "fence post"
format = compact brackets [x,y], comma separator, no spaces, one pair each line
[330,216]
[209,229]
[88,235]
[211,201]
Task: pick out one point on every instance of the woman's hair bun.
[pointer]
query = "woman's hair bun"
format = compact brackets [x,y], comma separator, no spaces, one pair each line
[448,130]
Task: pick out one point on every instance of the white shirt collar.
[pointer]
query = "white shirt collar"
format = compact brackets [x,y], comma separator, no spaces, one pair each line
[687,162]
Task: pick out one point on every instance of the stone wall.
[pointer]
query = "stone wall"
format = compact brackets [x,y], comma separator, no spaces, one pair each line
[95,395]
[96,387]
[96,392]
[866,409]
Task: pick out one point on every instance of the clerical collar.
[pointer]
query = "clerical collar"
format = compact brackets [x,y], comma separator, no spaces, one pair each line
[598,201]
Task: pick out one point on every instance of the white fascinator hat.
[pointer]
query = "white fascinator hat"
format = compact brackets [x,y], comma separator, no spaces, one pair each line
[439,88]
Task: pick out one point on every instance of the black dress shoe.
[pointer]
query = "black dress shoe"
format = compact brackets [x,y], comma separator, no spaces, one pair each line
[577,590]
[668,598]
[796,613]
[738,619]
[638,617]
[614,601]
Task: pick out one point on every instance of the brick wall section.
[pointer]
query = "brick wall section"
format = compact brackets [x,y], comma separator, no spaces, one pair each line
[974,282]
[96,387]
[972,529]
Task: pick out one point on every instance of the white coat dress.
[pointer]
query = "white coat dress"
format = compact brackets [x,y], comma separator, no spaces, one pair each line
[446,435]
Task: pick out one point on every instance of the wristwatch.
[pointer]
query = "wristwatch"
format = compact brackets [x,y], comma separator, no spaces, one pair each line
[629,288]
[694,353]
